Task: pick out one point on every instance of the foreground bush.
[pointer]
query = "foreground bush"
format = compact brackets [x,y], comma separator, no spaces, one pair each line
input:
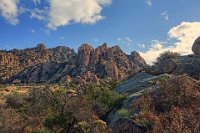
[173,108]
[102,97]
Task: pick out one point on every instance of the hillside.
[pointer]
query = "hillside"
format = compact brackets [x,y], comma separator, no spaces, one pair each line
[135,97]
[63,65]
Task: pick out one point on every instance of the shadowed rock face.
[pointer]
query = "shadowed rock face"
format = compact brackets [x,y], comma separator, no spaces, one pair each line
[196,46]
[135,83]
[188,65]
[62,64]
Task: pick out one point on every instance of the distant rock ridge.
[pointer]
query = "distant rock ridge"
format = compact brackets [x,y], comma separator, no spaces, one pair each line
[64,65]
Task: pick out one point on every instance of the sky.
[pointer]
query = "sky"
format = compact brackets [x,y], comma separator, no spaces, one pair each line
[147,26]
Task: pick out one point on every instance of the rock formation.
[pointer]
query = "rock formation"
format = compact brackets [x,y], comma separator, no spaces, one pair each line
[196,47]
[63,65]
[150,80]
[15,61]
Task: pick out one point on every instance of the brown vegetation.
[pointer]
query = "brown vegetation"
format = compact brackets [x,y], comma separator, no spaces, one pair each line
[58,109]
[173,108]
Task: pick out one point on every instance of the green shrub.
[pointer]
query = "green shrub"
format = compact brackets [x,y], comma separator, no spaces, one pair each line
[165,57]
[122,113]
[102,97]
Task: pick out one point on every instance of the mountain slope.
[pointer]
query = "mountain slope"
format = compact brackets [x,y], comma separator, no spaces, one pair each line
[62,64]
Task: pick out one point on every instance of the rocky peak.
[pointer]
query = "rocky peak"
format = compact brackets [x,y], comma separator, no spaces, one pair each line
[135,54]
[83,57]
[63,48]
[137,59]
[116,49]
[85,47]
[102,48]
[41,47]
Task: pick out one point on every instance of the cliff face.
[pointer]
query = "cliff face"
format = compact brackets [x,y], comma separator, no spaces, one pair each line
[62,64]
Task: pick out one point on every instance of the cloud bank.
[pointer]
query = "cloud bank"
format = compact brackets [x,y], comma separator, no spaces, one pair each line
[57,12]
[184,35]
[9,10]
[63,12]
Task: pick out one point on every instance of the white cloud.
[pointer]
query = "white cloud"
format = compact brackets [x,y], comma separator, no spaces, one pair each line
[63,12]
[125,40]
[40,14]
[166,15]
[9,10]
[58,12]
[141,45]
[184,34]
[149,2]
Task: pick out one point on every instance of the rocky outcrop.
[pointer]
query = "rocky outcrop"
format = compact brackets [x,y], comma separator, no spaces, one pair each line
[63,65]
[137,59]
[169,67]
[15,61]
[150,81]
[188,65]
[135,84]
[196,47]
[111,69]
[135,87]
[8,59]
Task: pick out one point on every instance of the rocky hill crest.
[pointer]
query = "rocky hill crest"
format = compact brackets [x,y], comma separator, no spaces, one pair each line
[64,65]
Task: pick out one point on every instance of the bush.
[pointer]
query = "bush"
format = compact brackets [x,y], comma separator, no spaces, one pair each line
[50,122]
[174,107]
[11,121]
[53,108]
[15,100]
[122,113]
[164,58]
[180,91]
[102,97]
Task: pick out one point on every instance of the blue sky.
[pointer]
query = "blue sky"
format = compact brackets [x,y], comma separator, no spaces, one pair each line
[147,26]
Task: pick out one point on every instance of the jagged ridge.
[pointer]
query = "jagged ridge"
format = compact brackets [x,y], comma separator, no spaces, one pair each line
[62,64]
